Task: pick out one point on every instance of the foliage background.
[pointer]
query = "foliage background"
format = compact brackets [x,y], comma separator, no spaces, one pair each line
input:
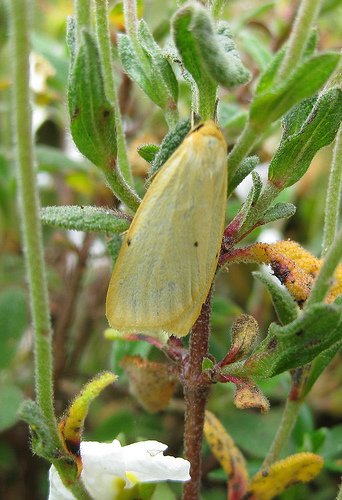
[79,267]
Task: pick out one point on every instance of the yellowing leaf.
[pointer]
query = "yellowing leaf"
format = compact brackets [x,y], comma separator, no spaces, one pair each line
[244,331]
[295,267]
[229,456]
[71,425]
[267,483]
[248,395]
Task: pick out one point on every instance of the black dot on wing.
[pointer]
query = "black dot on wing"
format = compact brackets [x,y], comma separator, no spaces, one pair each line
[129,242]
[196,244]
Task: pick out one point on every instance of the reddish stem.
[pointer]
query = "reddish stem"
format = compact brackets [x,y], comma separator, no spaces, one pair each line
[195,400]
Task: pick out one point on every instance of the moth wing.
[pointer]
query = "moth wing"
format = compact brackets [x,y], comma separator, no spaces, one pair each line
[168,259]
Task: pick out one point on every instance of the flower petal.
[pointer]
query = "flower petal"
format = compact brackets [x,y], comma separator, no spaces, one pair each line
[109,468]
[145,460]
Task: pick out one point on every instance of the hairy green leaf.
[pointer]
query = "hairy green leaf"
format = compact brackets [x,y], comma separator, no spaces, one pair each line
[92,119]
[297,343]
[272,102]
[86,219]
[296,151]
[284,305]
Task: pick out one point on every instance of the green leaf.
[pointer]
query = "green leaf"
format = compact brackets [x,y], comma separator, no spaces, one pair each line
[42,442]
[251,199]
[160,68]
[312,43]
[169,144]
[204,53]
[148,152]
[294,119]
[71,38]
[220,57]
[272,102]
[149,67]
[207,364]
[13,321]
[296,344]
[92,119]
[284,305]
[135,69]
[278,211]
[257,184]
[86,219]
[10,397]
[186,43]
[319,364]
[294,155]
[244,169]
[268,77]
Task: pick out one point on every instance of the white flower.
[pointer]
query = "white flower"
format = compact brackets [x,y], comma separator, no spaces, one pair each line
[109,468]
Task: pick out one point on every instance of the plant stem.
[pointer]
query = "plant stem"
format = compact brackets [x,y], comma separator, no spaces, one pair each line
[105,48]
[332,206]
[29,201]
[307,14]
[291,411]
[323,280]
[241,149]
[82,17]
[207,100]
[267,196]
[31,228]
[131,20]
[195,400]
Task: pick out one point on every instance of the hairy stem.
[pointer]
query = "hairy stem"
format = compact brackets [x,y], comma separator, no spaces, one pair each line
[241,149]
[29,204]
[306,17]
[31,228]
[291,412]
[332,206]
[105,48]
[323,281]
[195,400]
[82,16]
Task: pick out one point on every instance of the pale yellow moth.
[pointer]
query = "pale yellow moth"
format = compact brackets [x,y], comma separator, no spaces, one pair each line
[169,256]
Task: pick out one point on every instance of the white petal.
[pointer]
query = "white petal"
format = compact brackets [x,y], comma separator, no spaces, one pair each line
[102,458]
[103,472]
[105,466]
[145,460]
